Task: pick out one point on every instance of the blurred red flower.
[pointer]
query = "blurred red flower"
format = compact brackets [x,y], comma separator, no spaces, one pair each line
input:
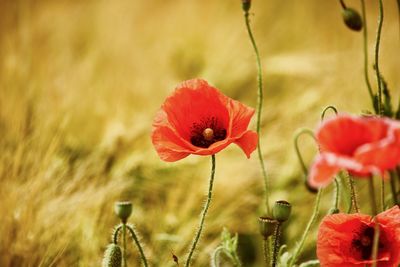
[361,145]
[198,119]
[347,239]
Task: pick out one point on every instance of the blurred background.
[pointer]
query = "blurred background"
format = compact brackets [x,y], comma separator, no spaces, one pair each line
[80,83]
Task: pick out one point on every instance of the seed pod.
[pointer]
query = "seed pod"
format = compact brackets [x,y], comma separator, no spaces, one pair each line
[352,19]
[112,256]
[267,226]
[246,4]
[333,211]
[123,210]
[282,210]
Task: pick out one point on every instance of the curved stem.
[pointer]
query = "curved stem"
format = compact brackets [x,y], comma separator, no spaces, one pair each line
[307,230]
[260,99]
[277,236]
[297,135]
[365,46]
[326,109]
[115,234]
[215,256]
[204,213]
[377,44]
[135,238]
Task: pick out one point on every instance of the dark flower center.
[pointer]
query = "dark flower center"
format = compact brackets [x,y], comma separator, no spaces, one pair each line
[207,132]
[363,243]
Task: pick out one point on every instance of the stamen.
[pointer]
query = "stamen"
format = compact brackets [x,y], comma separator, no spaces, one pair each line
[208,134]
[365,241]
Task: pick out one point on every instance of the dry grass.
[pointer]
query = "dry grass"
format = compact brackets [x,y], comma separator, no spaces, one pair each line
[81,80]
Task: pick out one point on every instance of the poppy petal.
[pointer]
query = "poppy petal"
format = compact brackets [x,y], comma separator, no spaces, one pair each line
[335,236]
[344,134]
[322,172]
[168,144]
[247,142]
[192,102]
[240,117]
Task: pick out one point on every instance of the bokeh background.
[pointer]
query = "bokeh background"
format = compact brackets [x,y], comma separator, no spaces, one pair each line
[80,82]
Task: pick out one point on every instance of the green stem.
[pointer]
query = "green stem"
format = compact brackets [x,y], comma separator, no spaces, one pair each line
[203,214]
[378,39]
[215,256]
[382,194]
[343,4]
[307,230]
[124,245]
[372,196]
[136,239]
[398,11]
[365,46]
[300,157]
[375,244]
[266,252]
[393,187]
[337,194]
[260,99]
[353,194]
[277,236]
[326,109]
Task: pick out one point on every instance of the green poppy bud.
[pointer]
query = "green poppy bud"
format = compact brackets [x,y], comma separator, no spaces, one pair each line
[282,210]
[267,226]
[246,4]
[333,211]
[112,256]
[352,19]
[123,210]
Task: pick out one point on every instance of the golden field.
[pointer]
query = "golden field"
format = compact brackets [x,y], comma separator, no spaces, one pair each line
[80,83]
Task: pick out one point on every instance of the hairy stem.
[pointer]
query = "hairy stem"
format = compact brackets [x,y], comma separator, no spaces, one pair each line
[266,252]
[277,236]
[136,240]
[260,99]
[307,230]
[203,214]
[353,194]
[124,245]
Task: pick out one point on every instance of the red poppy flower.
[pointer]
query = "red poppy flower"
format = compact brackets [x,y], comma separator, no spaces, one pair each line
[198,119]
[361,145]
[347,239]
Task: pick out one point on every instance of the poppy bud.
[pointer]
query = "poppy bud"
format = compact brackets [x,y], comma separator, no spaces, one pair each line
[112,256]
[267,226]
[333,211]
[246,4]
[123,210]
[352,19]
[282,210]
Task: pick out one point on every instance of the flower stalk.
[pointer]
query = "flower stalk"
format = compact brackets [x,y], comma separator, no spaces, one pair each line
[260,99]
[203,214]
[377,45]
[312,220]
